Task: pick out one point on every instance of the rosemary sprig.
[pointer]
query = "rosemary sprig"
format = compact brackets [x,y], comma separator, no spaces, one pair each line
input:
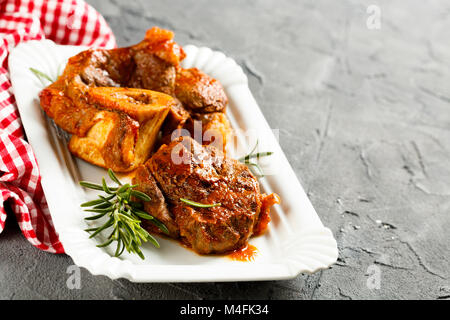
[41,75]
[124,215]
[251,155]
[200,205]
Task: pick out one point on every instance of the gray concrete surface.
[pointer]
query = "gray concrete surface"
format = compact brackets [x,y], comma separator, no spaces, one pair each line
[365,122]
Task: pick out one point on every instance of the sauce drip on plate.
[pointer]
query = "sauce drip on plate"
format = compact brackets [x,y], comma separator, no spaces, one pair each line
[246,253]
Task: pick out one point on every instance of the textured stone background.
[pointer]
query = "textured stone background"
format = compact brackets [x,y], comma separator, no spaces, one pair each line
[365,122]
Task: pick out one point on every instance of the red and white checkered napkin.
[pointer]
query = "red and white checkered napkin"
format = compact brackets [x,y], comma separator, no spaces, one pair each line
[65,22]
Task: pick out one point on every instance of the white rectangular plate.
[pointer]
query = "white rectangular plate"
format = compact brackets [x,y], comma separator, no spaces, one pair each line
[296,241]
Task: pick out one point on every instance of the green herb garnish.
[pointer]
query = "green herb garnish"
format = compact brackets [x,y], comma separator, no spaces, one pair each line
[251,155]
[124,215]
[41,75]
[200,205]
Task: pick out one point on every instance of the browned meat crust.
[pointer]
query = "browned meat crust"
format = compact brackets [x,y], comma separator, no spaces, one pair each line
[157,206]
[199,92]
[203,174]
[152,73]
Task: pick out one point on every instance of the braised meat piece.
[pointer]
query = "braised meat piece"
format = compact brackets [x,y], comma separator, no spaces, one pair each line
[153,73]
[201,112]
[157,206]
[202,99]
[206,128]
[185,169]
[199,92]
[157,58]
[111,127]
[101,68]
[66,101]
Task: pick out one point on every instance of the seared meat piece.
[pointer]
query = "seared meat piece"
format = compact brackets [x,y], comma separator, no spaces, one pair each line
[123,137]
[204,100]
[185,169]
[111,127]
[153,73]
[160,43]
[102,68]
[157,206]
[199,92]
[66,101]
[157,58]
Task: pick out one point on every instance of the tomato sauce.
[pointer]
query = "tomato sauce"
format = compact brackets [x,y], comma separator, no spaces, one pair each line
[246,253]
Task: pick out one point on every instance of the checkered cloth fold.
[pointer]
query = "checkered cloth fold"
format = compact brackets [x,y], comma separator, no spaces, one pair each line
[71,22]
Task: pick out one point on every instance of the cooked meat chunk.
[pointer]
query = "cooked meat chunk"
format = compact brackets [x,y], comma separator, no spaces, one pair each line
[111,127]
[160,42]
[157,206]
[202,99]
[66,101]
[157,58]
[175,121]
[185,169]
[199,92]
[153,73]
[102,68]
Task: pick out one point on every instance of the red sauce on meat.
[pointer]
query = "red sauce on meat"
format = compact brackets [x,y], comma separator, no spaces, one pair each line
[264,218]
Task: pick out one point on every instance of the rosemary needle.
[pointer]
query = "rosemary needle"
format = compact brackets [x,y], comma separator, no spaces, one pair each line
[246,159]
[41,75]
[200,205]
